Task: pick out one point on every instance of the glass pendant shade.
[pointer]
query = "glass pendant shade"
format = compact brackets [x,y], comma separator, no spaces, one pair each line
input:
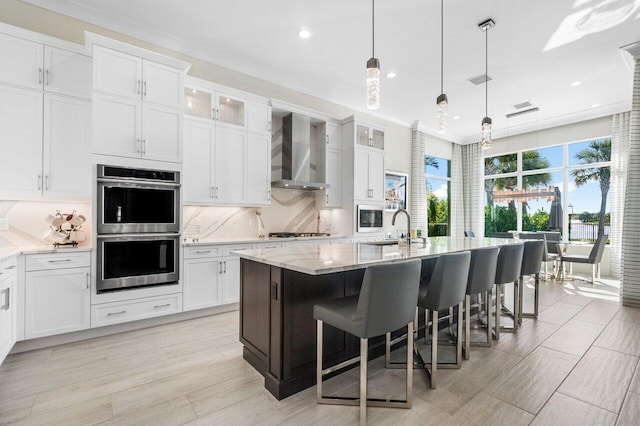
[373,83]
[443,111]
[486,133]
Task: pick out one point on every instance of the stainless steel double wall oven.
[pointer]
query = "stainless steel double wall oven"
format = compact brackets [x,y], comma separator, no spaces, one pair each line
[138,227]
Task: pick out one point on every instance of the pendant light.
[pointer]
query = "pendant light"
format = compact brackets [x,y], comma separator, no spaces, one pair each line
[442,101]
[486,121]
[373,68]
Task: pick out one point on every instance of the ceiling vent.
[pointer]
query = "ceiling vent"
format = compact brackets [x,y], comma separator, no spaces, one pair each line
[522,105]
[479,79]
[526,111]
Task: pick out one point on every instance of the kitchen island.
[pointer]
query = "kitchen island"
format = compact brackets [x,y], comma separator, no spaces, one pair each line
[280,286]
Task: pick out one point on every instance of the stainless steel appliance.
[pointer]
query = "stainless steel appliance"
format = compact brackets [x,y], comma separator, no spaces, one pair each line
[135,260]
[137,200]
[138,242]
[369,218]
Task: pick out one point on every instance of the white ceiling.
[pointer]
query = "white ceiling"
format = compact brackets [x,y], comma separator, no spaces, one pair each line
[536,49]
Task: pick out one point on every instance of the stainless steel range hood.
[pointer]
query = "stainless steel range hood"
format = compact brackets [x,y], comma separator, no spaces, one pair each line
[291,166]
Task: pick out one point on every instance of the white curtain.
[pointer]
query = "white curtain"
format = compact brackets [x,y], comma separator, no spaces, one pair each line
[473,185]
[619,168]
[631,222]
[457,193]
[418,199]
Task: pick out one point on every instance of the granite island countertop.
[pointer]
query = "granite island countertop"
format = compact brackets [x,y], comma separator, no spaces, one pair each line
[329,258]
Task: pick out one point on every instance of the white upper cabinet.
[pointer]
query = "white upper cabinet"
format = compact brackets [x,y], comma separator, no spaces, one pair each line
[258,176]
[162,127]
[334,136]
[129,76]
[21,62]
[36,66]
[369,136]
[259,118]
[67,73]
[199,142]
[368,174]
[229,166]
[231,110]
[117,128]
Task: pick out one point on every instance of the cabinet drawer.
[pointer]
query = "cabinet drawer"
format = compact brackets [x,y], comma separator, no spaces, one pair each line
[40,262]
[8,265]
[202,251]
[114,313]
[228,249]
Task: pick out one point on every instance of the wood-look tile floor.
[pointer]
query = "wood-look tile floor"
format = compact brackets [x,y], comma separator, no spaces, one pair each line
[577,364]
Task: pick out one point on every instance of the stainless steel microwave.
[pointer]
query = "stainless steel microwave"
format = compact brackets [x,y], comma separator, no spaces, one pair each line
[370,218]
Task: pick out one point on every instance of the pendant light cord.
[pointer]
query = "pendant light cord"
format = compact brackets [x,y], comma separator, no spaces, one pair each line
[441,46]
[373,28]
[486,73]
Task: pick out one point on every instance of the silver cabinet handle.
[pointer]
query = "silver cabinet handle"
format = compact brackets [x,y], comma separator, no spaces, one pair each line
[327,196]
[116,313]
[203,251]
[219,267]
[39,182]
[46,182]
[268,195]
[6,306]
[216,196]
[327,139]
[138,145]
[269,126]
[138,87]
[211,193]
[88,281]
[144,93]
[213,113]
[162,306]
[225,266]
[144,146]
[39,75]
[47,79]
[59,260]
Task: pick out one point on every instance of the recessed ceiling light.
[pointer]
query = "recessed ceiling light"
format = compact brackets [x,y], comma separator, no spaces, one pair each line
[457,117]
[391,74]
[304,33]
[595,105]
[194,91]
[575,84]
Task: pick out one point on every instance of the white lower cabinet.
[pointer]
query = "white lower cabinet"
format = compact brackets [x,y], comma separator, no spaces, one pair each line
[57,301]
[133,310]
[7,307]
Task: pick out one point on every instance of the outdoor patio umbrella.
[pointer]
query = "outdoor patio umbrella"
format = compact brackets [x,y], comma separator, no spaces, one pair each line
[555,214]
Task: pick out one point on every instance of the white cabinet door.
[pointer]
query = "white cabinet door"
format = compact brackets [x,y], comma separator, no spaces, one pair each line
[117,126]
[229,165]
[334,136]
[67,72]
[57,301]
[361,174]
[162,133]
[67,134]
[199,142]
[259,118]
[20,142]
[258,177]
[162,84]
[117,73]
[202,283]
[376,174]
[333,176]
[7,315]
[231,111]
[231,293]
[21,62]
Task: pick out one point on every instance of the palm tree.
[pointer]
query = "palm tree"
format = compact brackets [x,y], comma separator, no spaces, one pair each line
[598,151]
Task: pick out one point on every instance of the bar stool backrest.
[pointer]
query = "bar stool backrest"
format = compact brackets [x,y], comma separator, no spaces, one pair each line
[595,256]
[482,269]
[537,236]
[469,233]
[388,298]
[501,235]
[509,263]
[553,239]
[532,257]
[449,281]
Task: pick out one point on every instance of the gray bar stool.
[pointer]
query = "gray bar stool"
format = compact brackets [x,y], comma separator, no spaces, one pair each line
[508,271]
[445,290]
[594,258]
[482,273]
[532,257]
[387,302]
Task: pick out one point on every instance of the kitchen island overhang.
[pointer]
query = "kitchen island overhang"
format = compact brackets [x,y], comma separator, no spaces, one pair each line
[280,286]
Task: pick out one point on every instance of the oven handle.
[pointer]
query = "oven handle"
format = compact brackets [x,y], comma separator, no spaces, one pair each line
[138,184]
[128,237]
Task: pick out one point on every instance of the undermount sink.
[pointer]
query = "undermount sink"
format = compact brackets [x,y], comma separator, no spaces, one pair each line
[381,243]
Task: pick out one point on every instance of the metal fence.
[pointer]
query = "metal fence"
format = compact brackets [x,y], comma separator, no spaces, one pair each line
[586,231]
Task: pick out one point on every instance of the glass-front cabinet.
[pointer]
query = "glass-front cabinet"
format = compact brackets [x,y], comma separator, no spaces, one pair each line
[369,136]
[230,110]
[198,103]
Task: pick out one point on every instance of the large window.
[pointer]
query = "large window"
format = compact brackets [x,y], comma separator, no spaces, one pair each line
[563,188]
[438,182]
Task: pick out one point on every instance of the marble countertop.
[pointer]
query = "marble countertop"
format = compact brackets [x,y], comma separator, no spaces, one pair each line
[328,258]
[252,240]
[7,252]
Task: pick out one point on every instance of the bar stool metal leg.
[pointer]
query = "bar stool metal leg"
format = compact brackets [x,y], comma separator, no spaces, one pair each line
[467,325]
[363,381]
[434,349]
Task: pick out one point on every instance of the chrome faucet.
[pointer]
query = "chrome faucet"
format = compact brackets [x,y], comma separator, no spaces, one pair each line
[393,222]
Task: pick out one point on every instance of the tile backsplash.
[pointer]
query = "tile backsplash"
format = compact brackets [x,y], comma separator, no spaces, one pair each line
[290,211]
[27,224]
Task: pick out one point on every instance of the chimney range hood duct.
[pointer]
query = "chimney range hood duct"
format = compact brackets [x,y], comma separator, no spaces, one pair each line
[292,167]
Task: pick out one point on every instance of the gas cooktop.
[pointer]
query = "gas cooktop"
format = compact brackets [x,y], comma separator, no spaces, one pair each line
[297,234]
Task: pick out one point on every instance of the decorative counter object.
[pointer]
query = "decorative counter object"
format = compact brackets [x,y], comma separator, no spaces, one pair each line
[65,229]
